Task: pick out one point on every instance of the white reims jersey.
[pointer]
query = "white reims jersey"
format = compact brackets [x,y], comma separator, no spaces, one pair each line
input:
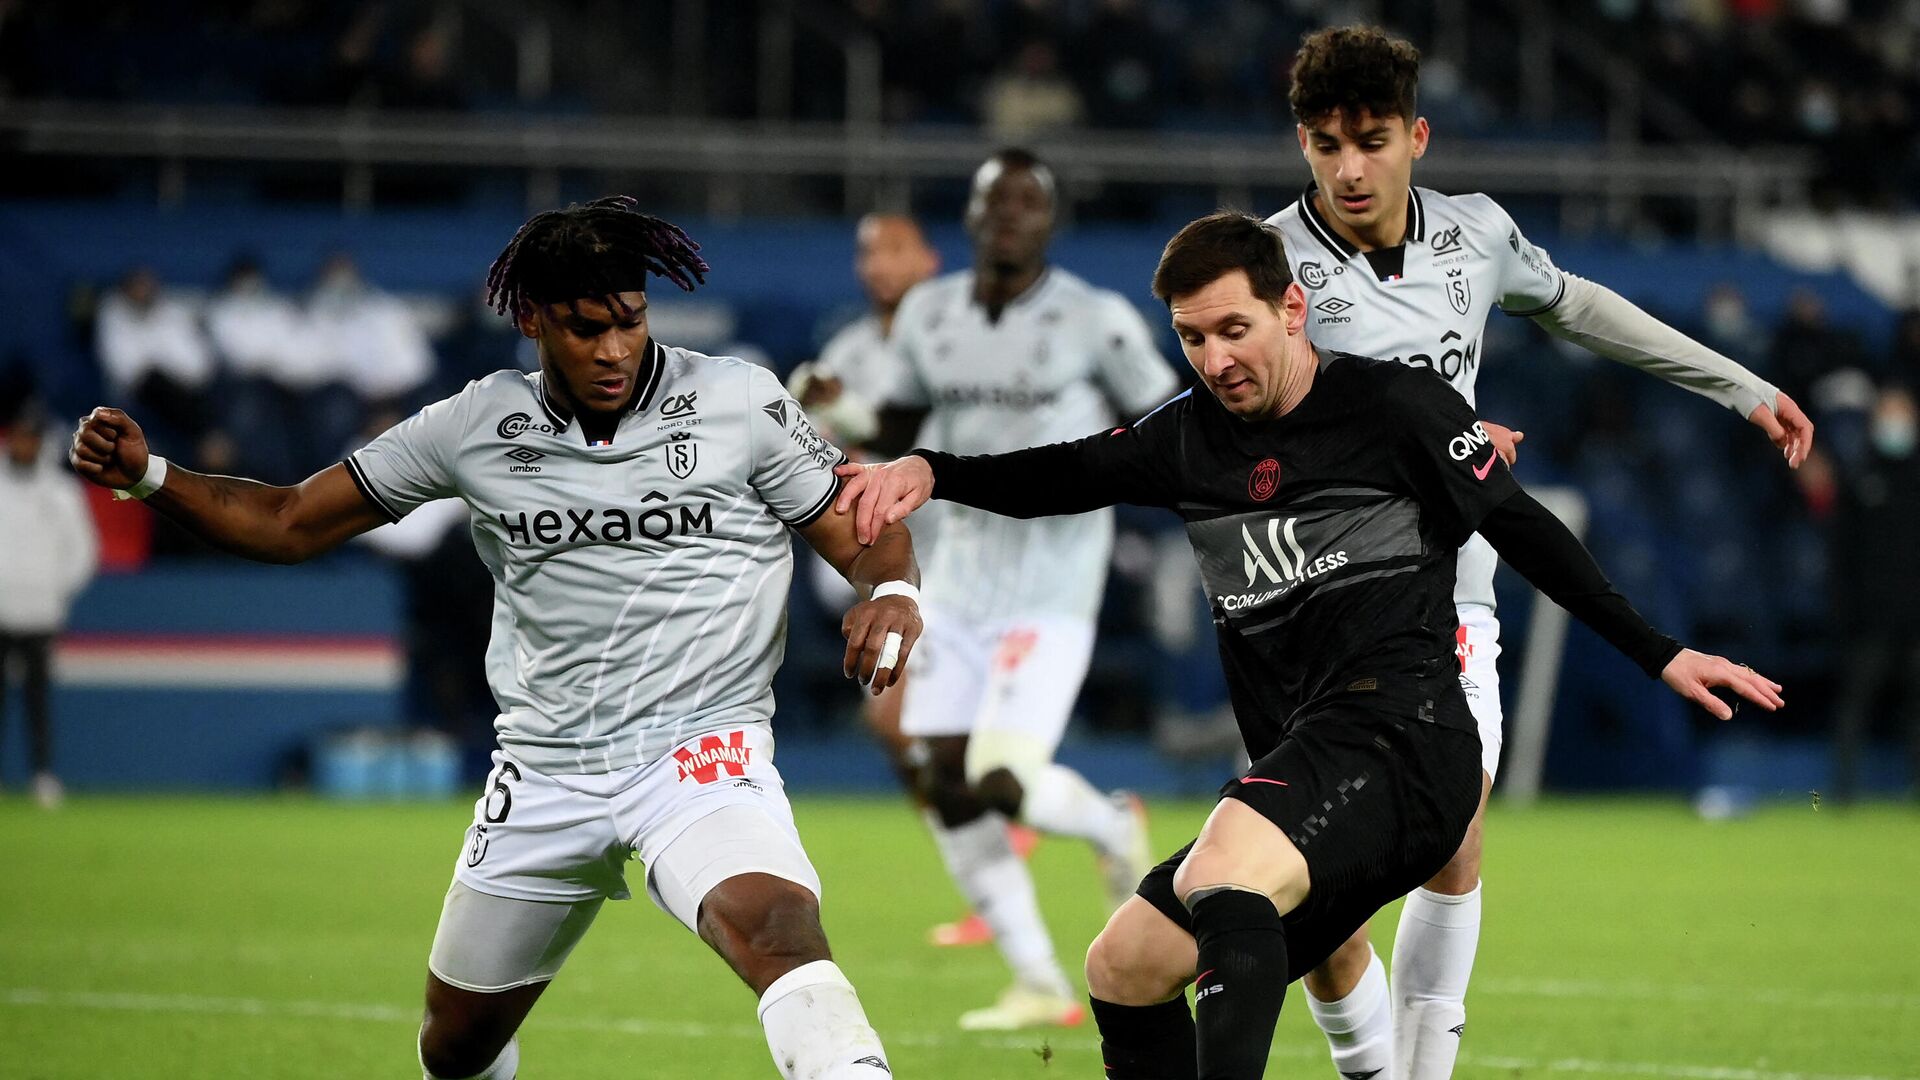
[1059,361]
[640,584]
[1424,303]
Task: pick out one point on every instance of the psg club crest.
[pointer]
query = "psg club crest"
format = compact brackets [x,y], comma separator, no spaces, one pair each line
[1264,481]
[682,454]
[1457,292]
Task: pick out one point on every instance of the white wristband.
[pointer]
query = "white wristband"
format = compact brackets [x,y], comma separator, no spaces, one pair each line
[148,484]
[896,588]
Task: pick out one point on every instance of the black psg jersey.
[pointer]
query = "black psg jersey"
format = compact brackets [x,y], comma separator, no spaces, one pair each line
[1326,537]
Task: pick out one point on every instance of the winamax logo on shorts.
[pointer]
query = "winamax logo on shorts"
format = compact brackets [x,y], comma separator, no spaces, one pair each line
[704,763]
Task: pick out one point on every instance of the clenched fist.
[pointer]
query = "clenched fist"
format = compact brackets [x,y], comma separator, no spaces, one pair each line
[109,449]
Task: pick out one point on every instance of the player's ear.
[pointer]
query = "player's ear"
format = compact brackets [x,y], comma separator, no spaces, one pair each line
[527,318]
[1421,133]
[1293,307]
[1300,130]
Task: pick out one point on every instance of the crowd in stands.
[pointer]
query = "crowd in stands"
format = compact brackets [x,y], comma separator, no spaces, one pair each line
[1839,77]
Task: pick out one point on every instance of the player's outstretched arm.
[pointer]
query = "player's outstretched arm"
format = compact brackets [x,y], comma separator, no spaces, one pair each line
[882,628]
[248,518]
[1548,555]
[1597,318]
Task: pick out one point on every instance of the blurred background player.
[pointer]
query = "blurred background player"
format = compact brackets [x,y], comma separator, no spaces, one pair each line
[47,555]
[891,256]
[1014,353]
[1410,274]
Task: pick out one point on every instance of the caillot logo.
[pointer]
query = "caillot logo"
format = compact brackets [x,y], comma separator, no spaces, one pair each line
[703,764]
[519,424]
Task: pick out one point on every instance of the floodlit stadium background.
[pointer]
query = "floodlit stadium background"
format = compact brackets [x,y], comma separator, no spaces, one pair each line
[1745,169]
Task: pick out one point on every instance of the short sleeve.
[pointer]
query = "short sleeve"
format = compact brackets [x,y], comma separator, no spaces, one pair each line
[1129,365]
[902,386]
[411,462]
[792,466]
[1443,452]
[1529,282]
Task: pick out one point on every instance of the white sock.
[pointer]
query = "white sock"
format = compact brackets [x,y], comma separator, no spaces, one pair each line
[503,1067]
[1059,800]
[816,1028]
[997,884]
[1359,1027]
[1432,960]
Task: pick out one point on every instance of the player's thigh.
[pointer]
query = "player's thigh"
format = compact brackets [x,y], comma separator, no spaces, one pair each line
[1142,957]
[1240,846]
[1037,667]
[1477,644]
[535,838]
[489,944]
[712,810]
[946,675]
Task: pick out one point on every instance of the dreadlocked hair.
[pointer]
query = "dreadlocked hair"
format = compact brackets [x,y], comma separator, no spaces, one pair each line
[601,249]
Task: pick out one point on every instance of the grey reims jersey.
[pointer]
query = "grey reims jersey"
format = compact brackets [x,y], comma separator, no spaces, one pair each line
[1055,366]
[640,585]
[1426,308]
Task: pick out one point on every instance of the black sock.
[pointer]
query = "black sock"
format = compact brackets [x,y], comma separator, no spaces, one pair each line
[1146,1042]
[1243,978]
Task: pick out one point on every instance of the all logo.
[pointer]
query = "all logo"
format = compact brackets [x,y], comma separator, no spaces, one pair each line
[682,455]
[1254,560]
[704,764]
[1458,293]
[1264,480]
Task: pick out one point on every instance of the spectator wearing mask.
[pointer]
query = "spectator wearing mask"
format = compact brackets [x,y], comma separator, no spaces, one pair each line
[154,354]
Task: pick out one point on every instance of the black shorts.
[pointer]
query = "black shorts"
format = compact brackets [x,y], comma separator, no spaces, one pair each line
[1376,804]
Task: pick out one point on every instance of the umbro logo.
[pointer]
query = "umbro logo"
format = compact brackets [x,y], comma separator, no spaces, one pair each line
[1367,1074]
[777,410]
[526,456]
[678,405]
[874,1061]
[1459,1032]
[1446,240]
[1334,305]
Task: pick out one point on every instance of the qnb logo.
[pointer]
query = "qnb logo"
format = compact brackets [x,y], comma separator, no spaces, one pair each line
[1464,445]
[519,424]
[704,763]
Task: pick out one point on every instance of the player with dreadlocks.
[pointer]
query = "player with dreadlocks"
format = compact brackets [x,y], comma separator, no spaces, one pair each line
[632,501]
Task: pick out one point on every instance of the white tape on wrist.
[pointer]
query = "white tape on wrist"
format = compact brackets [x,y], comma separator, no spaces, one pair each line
[889,654]
[896,588]
[148,484]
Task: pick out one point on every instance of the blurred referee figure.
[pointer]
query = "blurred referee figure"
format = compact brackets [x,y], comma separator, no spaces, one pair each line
[1012,353]
[632,502]
[1325,496]
[48,552]
[1409,274]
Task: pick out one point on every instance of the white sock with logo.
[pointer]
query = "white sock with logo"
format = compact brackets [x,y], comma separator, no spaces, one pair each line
[503,1068]
[1359,1027]
[1432,961]
[1059,800]
[817,1029]
[996,882]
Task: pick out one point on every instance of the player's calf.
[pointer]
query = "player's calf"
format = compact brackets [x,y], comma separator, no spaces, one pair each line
[468,1035]
[1137,970]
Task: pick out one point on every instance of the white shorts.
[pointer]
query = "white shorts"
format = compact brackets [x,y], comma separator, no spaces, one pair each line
[544,851]
[1013,675]
[1477,645]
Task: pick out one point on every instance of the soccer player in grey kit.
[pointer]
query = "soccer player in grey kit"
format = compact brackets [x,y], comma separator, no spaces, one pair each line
[632,501]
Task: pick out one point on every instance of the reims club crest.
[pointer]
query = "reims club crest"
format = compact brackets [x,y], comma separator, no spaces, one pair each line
[1264,480]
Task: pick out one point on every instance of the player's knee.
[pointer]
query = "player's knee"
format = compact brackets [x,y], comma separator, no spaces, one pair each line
[764,928]
[1461,875]
[943,785]
[1122,969]
[1001,790]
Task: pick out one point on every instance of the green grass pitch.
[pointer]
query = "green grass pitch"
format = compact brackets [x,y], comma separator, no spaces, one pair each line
[282,937]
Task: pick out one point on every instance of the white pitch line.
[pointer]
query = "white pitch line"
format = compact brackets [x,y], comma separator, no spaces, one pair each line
[1657,991]
[27,997]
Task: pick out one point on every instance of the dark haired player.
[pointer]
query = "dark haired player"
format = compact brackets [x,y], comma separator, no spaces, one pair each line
[1325,503]
[1410,274]
[632,501]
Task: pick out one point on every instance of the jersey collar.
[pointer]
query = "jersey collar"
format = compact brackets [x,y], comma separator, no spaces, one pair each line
[646,381]
[1323,230]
